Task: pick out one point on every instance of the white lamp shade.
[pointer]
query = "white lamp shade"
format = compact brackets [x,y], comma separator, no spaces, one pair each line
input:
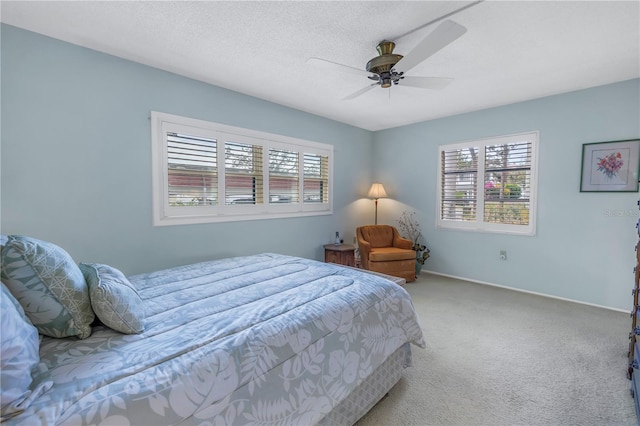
[377,191]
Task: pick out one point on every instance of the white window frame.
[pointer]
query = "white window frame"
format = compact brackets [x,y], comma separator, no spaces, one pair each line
[478,225]
[164,214]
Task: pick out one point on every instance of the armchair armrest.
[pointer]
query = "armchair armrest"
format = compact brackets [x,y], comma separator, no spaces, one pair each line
[364,247]
[402,243]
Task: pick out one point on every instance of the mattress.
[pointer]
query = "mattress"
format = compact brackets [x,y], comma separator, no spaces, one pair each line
[247,340]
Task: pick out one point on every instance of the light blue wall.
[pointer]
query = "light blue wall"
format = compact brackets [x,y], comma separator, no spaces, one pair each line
[584,246]
[76,159]
[76,170]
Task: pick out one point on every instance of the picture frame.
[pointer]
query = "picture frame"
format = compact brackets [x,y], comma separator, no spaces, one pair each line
[610,166]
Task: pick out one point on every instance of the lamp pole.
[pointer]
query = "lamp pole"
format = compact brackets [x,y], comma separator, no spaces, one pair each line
[376,217]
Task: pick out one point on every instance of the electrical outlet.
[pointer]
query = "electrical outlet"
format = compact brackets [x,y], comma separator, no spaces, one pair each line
[503,255]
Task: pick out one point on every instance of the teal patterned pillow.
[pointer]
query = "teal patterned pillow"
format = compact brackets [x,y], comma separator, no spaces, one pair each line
[49,286]
[20,343]
[115,300]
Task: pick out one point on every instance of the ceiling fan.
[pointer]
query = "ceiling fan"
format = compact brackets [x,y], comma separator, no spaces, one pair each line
[389,68]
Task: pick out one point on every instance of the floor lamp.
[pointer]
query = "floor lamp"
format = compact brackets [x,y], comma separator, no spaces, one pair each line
[377,191]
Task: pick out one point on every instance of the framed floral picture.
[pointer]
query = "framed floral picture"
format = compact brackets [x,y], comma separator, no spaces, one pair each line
[610,166]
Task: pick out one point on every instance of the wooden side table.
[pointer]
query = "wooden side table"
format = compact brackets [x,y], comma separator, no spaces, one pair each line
[342,254]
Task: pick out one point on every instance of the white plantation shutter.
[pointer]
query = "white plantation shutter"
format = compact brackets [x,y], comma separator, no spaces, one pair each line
[459,176]
[192,170]
[507,187]
[489,185]
[316,179]
[243,173]
[209,172]
[284,176]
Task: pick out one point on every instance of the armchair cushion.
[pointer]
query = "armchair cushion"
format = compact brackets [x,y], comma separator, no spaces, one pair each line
[387,254]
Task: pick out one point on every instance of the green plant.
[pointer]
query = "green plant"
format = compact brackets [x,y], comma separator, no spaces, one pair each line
[410,229]
[513,189]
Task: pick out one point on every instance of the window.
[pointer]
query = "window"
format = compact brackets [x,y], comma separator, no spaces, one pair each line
[209,172]
[316,170]
[192,175]
[243,181]
[284,176]
[489,185]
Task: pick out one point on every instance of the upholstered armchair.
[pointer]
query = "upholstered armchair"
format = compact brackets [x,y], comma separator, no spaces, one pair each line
[382,249]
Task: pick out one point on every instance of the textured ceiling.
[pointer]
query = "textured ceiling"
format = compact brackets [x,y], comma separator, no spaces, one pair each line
[512,50]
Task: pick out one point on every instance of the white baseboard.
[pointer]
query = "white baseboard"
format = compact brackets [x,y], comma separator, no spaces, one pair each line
[523,291]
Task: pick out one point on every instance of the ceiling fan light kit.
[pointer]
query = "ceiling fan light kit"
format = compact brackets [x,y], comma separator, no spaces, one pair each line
[383,64]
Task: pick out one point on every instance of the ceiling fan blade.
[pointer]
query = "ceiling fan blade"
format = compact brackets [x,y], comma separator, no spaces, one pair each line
[447,32]
[359,92]
[334,66]
[434,83]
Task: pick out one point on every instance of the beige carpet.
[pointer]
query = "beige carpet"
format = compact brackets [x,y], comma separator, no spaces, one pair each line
[501,357]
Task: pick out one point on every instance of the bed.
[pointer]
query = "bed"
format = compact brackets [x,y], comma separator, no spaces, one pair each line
[258,339]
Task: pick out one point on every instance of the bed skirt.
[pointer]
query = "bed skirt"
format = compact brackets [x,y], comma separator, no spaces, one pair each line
[372,390]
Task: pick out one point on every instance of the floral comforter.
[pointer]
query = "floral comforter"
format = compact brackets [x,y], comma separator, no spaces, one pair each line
[247,340]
